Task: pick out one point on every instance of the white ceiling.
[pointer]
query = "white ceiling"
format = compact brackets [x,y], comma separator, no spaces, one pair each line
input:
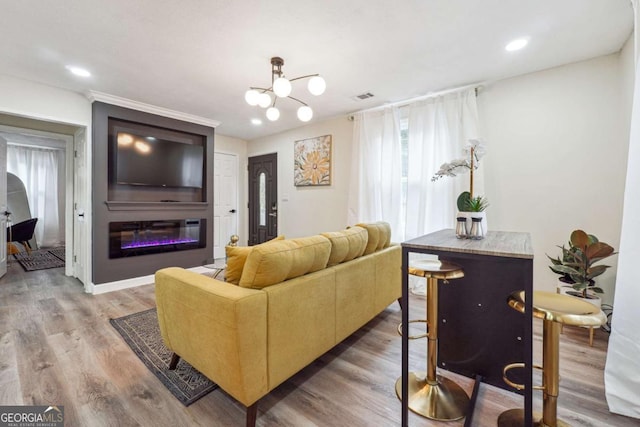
[200,56]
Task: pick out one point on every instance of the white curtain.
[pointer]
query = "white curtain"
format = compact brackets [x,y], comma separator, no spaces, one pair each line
[375,193]
[38,168]
[622,371]
[439,128]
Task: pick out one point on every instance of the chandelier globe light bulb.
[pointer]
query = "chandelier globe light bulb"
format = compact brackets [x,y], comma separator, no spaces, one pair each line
[282,87]
[305,113]
[264,100]
[252,96]
[273,114]
[317,85]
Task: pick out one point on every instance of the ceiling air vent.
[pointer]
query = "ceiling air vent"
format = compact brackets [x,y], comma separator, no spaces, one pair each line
[363,96]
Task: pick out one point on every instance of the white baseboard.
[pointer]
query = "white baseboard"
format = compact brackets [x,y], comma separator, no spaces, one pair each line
[134,282]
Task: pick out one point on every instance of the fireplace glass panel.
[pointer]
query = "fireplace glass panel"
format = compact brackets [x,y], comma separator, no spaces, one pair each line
[134,238]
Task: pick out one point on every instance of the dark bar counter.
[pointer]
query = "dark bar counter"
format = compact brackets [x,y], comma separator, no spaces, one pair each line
[478,332]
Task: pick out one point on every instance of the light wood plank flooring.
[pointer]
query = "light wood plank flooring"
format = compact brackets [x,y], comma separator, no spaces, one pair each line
[57,347]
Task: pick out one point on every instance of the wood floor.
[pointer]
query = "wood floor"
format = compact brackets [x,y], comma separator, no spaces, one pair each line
[58,348]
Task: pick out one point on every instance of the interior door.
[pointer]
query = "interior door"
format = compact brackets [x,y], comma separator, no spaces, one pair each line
[80,202]
[225,198]
[263,198]
[3,207]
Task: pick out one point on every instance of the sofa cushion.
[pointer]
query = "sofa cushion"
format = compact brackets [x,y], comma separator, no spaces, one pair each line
[346,244]
[379,236]
[236,257]
[285,259]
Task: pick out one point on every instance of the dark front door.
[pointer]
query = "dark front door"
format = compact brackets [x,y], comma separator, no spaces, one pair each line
[263,198]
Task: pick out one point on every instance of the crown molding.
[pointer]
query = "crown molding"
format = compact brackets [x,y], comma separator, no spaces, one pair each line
[148,108]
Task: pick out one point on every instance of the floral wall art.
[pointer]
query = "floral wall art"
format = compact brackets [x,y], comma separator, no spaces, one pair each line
[312,161]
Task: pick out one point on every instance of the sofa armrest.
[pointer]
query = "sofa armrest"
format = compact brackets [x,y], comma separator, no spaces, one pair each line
[219,328]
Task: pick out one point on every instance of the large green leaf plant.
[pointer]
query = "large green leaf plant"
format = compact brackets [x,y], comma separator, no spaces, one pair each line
[577,263]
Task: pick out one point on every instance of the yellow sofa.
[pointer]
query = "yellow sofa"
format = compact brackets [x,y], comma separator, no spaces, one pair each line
[295,300]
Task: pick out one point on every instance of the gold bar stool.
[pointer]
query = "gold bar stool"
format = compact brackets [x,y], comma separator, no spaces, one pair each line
[555,310]
[431,395]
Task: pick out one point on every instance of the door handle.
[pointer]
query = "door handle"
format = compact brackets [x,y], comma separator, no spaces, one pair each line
[232,211]
[273,214]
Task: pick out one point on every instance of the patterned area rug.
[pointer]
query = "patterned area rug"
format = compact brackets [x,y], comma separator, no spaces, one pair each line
[41,259]
[58,252]
[142,333]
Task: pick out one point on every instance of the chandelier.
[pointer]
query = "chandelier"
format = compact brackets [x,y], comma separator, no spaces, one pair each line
[281,88]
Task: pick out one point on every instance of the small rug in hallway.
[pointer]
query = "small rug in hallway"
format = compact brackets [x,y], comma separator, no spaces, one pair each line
[142,333]
[58,252]
[40,259]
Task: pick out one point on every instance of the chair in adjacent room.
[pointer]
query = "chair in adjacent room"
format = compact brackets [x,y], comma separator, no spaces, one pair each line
[21,233]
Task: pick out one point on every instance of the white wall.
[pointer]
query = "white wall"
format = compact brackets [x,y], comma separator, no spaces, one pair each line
[310,210]
[557,155]
[627,79]
[230,145]
[38,101]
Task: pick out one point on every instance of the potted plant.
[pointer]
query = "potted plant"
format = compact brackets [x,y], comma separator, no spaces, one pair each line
[474,150]
[576,266]
[477,204]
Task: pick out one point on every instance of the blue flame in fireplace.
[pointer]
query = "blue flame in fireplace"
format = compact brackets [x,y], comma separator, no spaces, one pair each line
[160,242]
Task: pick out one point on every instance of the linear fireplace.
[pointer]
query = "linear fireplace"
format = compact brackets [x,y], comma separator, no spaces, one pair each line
[133,238]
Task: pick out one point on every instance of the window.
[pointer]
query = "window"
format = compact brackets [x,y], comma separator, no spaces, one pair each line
[404,146]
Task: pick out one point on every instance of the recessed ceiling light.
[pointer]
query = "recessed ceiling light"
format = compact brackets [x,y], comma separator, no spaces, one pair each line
[256,122]
[78,71]
[516,44]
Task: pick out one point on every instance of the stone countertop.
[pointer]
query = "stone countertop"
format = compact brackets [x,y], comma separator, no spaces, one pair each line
[496,243]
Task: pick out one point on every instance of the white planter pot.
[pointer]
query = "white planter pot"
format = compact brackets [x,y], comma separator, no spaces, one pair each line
[566,289]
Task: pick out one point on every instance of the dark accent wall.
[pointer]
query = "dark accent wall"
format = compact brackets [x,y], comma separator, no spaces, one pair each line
[143,204]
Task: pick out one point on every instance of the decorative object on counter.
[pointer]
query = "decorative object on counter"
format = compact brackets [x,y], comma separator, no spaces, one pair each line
[476,232]
[461,227]
[471,219]
[476,207]
[468,205]
[576,266]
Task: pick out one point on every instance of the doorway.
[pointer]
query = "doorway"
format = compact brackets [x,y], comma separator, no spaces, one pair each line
[225,198]
[263,198]
[55,138]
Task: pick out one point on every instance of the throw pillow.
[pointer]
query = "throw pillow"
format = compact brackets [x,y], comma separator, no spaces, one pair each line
[287,259]
[379,236]
[236,258]
[346,244]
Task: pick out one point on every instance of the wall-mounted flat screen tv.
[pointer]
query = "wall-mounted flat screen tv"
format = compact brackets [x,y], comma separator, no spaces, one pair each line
[145,160]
